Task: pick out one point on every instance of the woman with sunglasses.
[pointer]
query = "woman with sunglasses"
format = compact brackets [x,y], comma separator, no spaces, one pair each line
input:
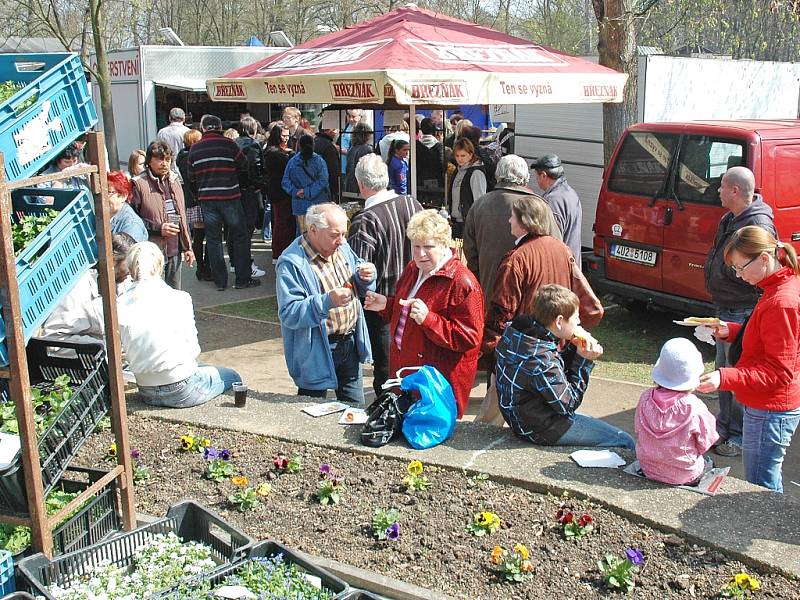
[766,373]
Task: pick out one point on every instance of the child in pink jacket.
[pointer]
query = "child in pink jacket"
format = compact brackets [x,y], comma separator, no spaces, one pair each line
[675,428]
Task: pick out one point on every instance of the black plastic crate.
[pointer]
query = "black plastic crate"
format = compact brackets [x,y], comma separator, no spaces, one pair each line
[265,550]
[362,595]
[59,444]
[95,521]
[187,520]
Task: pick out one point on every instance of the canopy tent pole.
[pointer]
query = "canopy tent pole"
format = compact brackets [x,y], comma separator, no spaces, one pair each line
[412,146]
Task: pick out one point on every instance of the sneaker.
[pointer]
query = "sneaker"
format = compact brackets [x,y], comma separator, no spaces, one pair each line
[232,269]
[247,284]
[221,288]
[728,449]
[256,272]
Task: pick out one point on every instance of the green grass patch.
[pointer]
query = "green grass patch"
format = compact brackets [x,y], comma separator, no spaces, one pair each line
[260,309]
[632,340]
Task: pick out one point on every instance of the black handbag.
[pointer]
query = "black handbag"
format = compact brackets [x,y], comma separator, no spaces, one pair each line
[735,351]
[385,418]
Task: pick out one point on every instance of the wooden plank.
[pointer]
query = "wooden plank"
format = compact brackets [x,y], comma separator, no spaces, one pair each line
[33,181]
[18,384]
[84,495]
[108,291]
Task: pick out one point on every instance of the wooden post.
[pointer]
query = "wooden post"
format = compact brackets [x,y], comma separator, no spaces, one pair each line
[19,382]
[108,291]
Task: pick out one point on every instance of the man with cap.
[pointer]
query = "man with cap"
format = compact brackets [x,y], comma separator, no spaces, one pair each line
[563,201]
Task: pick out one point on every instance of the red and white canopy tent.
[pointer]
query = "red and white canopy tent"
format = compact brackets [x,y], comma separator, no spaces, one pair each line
[412,57]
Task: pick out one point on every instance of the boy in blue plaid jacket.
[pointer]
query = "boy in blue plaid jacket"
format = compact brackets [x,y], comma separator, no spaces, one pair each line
[542,369]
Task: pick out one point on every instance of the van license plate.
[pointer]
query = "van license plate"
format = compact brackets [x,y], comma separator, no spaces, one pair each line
[636,255]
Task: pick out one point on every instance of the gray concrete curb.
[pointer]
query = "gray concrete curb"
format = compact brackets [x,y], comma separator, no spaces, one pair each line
[744,521]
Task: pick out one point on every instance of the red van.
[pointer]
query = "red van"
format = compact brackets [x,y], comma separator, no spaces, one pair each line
[659,205]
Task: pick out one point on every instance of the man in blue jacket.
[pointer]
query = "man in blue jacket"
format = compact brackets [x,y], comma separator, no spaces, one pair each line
[318,281]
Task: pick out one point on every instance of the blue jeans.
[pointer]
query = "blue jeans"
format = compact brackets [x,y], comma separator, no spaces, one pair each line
[231,214]
[207,383]
[729,419]
[266,228]
[348,373]
[767,435]
[590,431]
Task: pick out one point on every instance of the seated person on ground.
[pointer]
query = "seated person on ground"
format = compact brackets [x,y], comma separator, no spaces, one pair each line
[674,428]
[542,367]
[78,317]
[159,337]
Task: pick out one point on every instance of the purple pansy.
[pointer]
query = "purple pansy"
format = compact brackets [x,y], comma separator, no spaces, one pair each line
[393,532]
[324,469]
[136,454]
[210,453]
[634,555]
[224,454]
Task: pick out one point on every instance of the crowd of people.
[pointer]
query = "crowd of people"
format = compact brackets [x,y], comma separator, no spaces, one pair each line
[391,288]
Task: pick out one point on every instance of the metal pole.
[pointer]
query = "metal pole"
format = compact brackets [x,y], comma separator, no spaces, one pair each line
[412,136]
[18,384]
[108,291]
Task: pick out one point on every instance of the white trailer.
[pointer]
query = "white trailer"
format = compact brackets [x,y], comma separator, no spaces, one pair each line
[147,80]
[669,89]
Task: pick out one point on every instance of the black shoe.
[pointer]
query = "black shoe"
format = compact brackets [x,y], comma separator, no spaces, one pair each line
[247,284]
[221,288]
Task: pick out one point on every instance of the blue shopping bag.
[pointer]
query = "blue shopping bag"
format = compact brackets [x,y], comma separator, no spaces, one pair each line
[432,418]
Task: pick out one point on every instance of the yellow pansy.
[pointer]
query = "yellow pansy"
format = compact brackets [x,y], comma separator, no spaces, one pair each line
[205,443]
[239,480]
[187,442]
[415,468]
[522,551]
[746,582]
[263,489]
[111,452]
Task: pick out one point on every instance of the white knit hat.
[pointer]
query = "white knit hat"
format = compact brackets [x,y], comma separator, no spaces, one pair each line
[679,365]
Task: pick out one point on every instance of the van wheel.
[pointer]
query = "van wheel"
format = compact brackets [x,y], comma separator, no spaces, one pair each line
[637,307]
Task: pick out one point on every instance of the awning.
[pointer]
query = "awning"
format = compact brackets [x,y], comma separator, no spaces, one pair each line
[415,56]
[183,84]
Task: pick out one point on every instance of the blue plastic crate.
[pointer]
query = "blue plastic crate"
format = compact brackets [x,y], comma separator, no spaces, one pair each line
[7,582]
[51,264]
[62,109]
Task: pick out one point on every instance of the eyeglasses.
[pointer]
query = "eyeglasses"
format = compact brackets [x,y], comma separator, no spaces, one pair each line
[745,265]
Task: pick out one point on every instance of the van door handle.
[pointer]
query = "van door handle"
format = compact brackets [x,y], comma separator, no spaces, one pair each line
[668,216]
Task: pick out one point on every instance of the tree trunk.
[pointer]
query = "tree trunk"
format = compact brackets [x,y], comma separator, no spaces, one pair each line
[104,83]
[616,45]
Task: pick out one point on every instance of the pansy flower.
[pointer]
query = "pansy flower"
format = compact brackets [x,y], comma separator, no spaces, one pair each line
[393,532]
[324,470]
[585,520]
[415,468]
[239,480]
[187,442]
[135,454]
[634,555]
[497,555]
[210,453]
[111,451]
[564,517]
[280,462]
[224,455]
[522,551]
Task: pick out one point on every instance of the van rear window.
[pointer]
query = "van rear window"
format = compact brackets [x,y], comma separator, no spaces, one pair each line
[642,163]
[702,162]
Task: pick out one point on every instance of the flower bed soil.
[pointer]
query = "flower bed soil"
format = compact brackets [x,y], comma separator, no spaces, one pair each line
[434,551]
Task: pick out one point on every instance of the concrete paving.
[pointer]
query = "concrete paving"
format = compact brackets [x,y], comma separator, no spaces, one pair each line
[743,520]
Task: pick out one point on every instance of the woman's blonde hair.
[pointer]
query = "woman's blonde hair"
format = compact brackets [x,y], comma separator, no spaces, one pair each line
[751,241]
[191,137]
[145,261]
[429,225]
[531,212]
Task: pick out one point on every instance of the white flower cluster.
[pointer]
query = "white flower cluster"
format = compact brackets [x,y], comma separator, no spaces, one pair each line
[160,563]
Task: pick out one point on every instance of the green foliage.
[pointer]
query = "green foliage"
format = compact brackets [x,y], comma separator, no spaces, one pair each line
[245,499]
[477,480]
[219,470]
[382,520]
[9,88]
[617,572]
[46,407]
[28,227]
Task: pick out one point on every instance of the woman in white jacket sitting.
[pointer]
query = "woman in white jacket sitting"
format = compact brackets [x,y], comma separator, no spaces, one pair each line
[159,337]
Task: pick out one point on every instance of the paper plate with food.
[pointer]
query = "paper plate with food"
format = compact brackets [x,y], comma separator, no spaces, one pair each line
[695,321]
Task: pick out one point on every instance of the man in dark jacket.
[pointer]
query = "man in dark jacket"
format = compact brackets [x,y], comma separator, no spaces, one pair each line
[733,297]
[216,167]
[252,190]
[563,201]
[327,149]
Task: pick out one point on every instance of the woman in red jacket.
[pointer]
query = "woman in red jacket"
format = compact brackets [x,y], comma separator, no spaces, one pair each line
[436,314]
[766,376]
